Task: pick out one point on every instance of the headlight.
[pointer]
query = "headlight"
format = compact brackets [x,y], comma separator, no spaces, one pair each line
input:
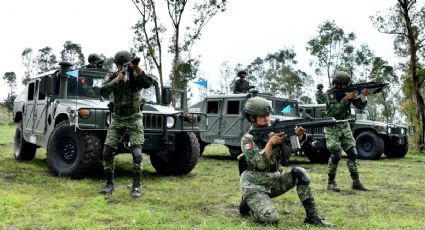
[389,130]
[84,113]
[170,122]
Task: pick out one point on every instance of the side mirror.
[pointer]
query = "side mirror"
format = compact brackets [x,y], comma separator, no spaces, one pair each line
[46,85]
[167,95]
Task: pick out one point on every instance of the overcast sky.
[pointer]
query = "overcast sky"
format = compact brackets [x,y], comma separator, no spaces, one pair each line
[248,29]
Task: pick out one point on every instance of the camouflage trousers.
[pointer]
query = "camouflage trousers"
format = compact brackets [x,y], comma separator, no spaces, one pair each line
[259,198]
[340,138]
[132,124]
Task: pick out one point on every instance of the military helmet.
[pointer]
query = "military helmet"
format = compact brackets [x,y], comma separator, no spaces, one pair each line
[320,85]
[241,72]
[341,77]
[122,57]
[258,106]
[93,58]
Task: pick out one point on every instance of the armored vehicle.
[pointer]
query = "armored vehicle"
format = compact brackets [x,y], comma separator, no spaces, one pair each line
[62,111]
[372,137]
[226,121]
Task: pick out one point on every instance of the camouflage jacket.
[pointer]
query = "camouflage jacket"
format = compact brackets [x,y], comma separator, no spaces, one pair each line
[241,86]
[125,93]
[320,97]
[341,109]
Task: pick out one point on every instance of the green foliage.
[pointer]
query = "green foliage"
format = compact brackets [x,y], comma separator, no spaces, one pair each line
[5,119]
[45,60]
[72,53]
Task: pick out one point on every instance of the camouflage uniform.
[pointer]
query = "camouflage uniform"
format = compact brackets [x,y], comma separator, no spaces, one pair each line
[320,97]
[263,178]
[126,119]
[241,86]
[340,137]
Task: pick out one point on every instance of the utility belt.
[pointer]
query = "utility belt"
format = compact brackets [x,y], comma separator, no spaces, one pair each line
[271,168]
[126,110]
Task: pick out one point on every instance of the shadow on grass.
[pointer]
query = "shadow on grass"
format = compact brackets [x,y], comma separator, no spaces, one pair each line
[219,157]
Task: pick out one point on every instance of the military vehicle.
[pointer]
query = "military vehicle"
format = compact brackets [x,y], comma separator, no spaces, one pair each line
[67,116]
[226,121]
[372,137]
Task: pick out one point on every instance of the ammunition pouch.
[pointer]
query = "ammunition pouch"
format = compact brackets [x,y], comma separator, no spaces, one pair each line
[271,168]
[126,110]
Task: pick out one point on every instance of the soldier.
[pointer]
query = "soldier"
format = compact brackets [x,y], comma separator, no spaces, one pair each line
[320,95]
[339,137]
[127,117]
[241,85]
[95,62]
[263,180]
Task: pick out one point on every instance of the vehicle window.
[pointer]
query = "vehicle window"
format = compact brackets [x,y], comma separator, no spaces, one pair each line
[362,114]
[31,91]
[41,96]
[149,95]
[85,87]
[212,107]
[233,107]
[286,108]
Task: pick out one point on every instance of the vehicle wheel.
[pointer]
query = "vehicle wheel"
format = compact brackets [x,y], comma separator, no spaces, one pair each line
[234,151]
[317,155]
[182,160]
[73,154]
[24,151]
[369,145]
[395,151]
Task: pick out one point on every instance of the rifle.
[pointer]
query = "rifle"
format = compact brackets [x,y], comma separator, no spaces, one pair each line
[288,127]
[357,88]
[125,67]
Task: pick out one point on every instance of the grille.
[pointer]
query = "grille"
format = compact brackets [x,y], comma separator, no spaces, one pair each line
[151,121]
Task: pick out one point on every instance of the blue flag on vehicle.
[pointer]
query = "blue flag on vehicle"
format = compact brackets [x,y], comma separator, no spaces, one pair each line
[202,83]
[73,73]
[287,109]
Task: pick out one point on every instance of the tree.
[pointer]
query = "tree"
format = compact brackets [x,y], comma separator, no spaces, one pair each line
[28,62]
[332,49]
[72,53]
[10,78]
[226,75]
[407,24]
[148,31]
[45,60]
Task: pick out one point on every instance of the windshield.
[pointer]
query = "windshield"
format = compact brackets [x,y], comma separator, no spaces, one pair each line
[149,95]
[362,114]
[87,87]
[286,108]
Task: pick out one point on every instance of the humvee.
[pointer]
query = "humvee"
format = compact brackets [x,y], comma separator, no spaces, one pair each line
[67,116]
[372,137]
[226,121]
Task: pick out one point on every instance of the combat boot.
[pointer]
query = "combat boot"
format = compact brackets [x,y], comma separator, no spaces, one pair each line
[109,187]
[357,185]
[332,184]
[135,191]
[244,208]
[312,217]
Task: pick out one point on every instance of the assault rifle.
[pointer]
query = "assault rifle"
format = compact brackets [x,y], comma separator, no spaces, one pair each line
[357,88]
[125,68]
[288,127]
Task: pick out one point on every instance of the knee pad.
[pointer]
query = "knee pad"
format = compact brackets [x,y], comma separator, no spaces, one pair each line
[108,153]
[335,156]
[136,151]
[300,175]
[352,154]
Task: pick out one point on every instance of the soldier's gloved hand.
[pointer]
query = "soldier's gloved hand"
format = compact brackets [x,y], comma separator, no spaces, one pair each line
[350,96]
[299,131]
[365,91]
[137,69]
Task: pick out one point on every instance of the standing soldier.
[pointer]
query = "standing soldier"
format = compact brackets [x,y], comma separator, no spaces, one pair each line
[320,95]
[262,180]
[127,117]
[241,85]
[340,137]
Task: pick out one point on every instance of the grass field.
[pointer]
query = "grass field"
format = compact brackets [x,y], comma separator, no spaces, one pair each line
[207,198]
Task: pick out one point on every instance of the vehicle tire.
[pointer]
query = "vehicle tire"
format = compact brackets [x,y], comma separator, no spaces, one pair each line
[317,155]
[369,146]
[182,160]
[24,151]
[73,154]
[234,151]
[395,151]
